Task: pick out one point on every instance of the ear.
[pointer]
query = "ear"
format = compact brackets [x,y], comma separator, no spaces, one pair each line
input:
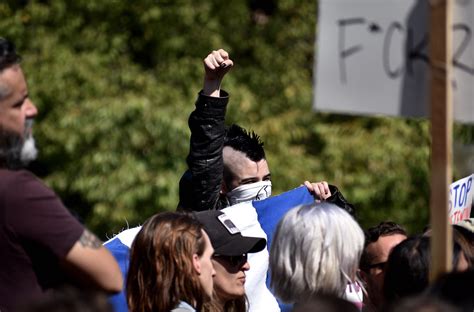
[197,263]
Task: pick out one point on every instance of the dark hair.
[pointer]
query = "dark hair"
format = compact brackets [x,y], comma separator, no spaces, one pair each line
[385,228]
[408,267]
[327,303]
[455,288]
[422,303]
[465,239]
[8,55]
[247,142]
[161,271]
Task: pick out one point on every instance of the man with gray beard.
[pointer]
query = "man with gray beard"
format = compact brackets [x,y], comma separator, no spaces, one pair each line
[42,245]
[17,151]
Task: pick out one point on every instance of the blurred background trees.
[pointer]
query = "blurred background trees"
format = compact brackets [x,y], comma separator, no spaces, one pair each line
[115,81]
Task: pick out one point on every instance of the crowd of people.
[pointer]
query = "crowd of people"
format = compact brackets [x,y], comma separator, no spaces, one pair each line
[202,257]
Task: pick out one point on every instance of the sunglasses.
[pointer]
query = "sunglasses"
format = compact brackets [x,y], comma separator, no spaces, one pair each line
[233,260]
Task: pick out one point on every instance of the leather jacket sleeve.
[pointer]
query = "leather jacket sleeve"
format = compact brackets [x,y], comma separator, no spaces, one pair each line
[338,199]
[200,185]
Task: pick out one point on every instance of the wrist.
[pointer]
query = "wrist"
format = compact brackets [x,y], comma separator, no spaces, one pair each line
[212,87]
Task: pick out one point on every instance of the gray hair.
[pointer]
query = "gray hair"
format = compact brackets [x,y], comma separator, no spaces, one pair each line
[316,250]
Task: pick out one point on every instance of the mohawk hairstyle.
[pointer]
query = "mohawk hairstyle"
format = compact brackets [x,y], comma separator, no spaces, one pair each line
[8,55]
[247,142]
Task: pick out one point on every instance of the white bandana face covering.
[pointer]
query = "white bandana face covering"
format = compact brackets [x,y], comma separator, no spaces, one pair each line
[247,192]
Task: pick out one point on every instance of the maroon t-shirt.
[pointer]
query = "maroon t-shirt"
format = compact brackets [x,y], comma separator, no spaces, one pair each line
[36,231]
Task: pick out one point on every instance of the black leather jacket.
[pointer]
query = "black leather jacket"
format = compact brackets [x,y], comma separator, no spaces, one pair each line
[199,187]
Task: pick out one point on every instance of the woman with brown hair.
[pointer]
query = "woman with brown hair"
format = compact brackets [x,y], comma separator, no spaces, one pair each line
[229,260]
[170,265]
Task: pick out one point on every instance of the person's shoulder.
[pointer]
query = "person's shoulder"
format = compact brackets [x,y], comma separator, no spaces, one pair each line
[16,174]
[29,180]
[20,176]
[183,307]
[23,184]
[13,178]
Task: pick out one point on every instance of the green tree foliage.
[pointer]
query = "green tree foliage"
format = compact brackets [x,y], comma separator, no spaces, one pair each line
[115,81]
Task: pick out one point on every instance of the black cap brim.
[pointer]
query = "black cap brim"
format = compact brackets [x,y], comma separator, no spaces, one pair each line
[226,238]
[239,245]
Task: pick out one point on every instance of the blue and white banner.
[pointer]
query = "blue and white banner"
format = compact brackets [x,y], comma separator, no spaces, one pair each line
[119,246]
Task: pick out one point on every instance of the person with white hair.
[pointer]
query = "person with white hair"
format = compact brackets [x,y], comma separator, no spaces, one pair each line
[315,251]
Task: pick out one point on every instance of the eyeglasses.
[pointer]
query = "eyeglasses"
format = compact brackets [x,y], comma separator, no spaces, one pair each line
[232,260]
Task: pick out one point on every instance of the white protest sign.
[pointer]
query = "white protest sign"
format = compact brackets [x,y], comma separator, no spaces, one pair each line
[372,58]
[460,199]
